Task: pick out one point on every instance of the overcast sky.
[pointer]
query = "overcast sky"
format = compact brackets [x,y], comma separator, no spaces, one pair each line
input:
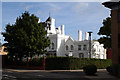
[85,16]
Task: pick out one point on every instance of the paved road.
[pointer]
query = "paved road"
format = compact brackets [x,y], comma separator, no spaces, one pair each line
[12,74]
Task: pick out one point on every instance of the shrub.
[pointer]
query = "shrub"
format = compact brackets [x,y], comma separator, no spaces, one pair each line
[75,63]
[57,63]
[113,69]
[21,63]
[90,69]
[109,69]
[10,61]
[36,62]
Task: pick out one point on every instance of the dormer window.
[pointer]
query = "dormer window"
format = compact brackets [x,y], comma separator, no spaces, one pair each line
[66,47]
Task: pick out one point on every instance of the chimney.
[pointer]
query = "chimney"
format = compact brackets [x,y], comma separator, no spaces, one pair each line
[59,30]
[79,35]
[86,36]
[62,31]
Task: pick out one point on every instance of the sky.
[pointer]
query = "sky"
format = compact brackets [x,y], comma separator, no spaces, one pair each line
[85,16]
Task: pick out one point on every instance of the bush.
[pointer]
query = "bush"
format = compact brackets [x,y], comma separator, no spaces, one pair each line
[10,62]
[36,62]
[57,63]
[64,63]
[109,69]
[20,63]
[75,63]
[90,69]
[113,69]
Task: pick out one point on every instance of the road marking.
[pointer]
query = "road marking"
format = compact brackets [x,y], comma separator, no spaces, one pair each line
[4,75]
[11,76]
[10,71]
[41,75]
[7,76]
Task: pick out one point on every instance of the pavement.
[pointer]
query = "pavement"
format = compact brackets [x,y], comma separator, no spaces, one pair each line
[18,74]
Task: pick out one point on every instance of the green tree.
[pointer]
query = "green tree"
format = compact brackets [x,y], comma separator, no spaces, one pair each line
[105,30]
[0,44]
[26,36]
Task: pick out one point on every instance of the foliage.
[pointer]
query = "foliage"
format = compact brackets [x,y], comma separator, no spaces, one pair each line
[26,36]
[36,62]
[113,69]
[105,30]
[90,69]
[21,63]
[72,63]
[109,69]
[58,63]
[10,62]
[106,41]
[64,63]
[0,44]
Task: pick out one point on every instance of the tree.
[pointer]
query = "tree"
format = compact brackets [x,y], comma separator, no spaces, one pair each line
[105,30]
[26,36]
[0,44]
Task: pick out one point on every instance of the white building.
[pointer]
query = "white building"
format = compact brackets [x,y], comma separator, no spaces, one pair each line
[64,45]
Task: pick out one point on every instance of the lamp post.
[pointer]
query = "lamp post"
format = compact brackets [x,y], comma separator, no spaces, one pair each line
[90,44]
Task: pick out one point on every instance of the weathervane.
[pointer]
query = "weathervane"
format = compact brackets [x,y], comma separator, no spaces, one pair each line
[49,13]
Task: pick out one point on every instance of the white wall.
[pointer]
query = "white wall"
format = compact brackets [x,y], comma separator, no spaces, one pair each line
[53,39]
[60,41]
[61,44]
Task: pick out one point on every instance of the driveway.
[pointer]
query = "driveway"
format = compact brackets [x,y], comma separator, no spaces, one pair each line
[13,74]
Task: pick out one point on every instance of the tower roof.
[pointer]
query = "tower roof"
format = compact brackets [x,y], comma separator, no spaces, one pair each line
[49,19]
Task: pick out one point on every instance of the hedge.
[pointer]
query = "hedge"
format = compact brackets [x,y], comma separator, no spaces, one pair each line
[71,63]
[36,62]
[64,63]
[57,63]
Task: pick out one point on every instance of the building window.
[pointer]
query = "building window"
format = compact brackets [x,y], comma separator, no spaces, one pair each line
[79,47]
[71,47]
[52,46]
[66,47]
[81,55]
[119,16]
[84,47]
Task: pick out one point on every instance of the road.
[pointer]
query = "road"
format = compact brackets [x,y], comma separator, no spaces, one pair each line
[13,74]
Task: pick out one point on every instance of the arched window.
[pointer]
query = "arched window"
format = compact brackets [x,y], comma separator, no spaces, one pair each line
[52,46]
[66,47]
[72,47]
